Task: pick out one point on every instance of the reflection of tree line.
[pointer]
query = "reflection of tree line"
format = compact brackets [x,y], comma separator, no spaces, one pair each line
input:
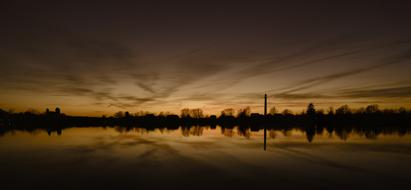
[369,121]
[342,132]
[185,130]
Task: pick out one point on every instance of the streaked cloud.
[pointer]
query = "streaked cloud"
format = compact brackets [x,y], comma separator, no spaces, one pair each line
[102,57]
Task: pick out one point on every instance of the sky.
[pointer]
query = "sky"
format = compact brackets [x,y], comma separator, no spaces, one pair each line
[99,57]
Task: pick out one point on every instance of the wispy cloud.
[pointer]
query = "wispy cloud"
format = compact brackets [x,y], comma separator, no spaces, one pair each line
[393,92]
[145,87]
[301,96]
[316,81]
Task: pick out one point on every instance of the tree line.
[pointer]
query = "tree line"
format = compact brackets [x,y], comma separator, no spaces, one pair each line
[343,115]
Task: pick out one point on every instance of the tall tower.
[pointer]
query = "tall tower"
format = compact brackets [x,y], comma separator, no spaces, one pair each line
[265,104]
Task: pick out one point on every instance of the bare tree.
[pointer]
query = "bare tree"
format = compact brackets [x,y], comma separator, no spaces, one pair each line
[331,111]
[273,110]
[372,108]
[228,112]
[185,112]
[119,114]
[245,112]
[343,110]
[311,109]
[287,112]
[196,113]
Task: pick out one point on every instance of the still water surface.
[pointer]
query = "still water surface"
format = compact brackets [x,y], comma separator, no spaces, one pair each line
[202,158]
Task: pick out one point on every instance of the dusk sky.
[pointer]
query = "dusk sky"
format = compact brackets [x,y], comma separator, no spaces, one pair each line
[99,57]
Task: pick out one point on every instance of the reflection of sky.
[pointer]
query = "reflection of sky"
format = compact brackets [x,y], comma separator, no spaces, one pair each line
[107,157]
[97,59]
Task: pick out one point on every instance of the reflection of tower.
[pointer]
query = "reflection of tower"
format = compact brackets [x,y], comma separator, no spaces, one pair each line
[265,115]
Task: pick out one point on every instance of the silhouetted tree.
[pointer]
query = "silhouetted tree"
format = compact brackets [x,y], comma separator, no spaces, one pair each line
[2,112]
[196,113]
[185,113]
[343,110]
[245,112]
[331,111]
[273,110]
[165,113]
[372,109]
[141,113]
[359,110]
[320,112]
[311,110]
[228,112]
[287,112]
[402,110]
[57,110]
[119,114]
[32,111]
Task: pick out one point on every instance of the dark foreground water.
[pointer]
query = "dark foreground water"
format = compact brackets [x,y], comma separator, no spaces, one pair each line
[203,158]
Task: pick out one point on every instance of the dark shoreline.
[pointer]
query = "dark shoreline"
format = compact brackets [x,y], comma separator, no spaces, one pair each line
[253,121]
[370,125]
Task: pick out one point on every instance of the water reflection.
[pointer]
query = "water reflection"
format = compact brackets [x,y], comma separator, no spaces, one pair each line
[237,157]
[340,132]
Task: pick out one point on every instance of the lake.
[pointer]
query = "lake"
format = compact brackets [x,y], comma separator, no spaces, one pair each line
[204,158]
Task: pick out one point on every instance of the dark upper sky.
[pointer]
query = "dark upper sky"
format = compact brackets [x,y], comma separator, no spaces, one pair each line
[97,57]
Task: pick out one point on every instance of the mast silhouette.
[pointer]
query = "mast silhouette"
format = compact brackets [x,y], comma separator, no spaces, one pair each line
[265,104]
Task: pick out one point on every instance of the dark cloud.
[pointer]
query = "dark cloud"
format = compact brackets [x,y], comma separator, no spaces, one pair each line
[301,96]
[136,100]
[106,80]
[106,97]
[76,91]
[203,97]
[145,87]
[391,92]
